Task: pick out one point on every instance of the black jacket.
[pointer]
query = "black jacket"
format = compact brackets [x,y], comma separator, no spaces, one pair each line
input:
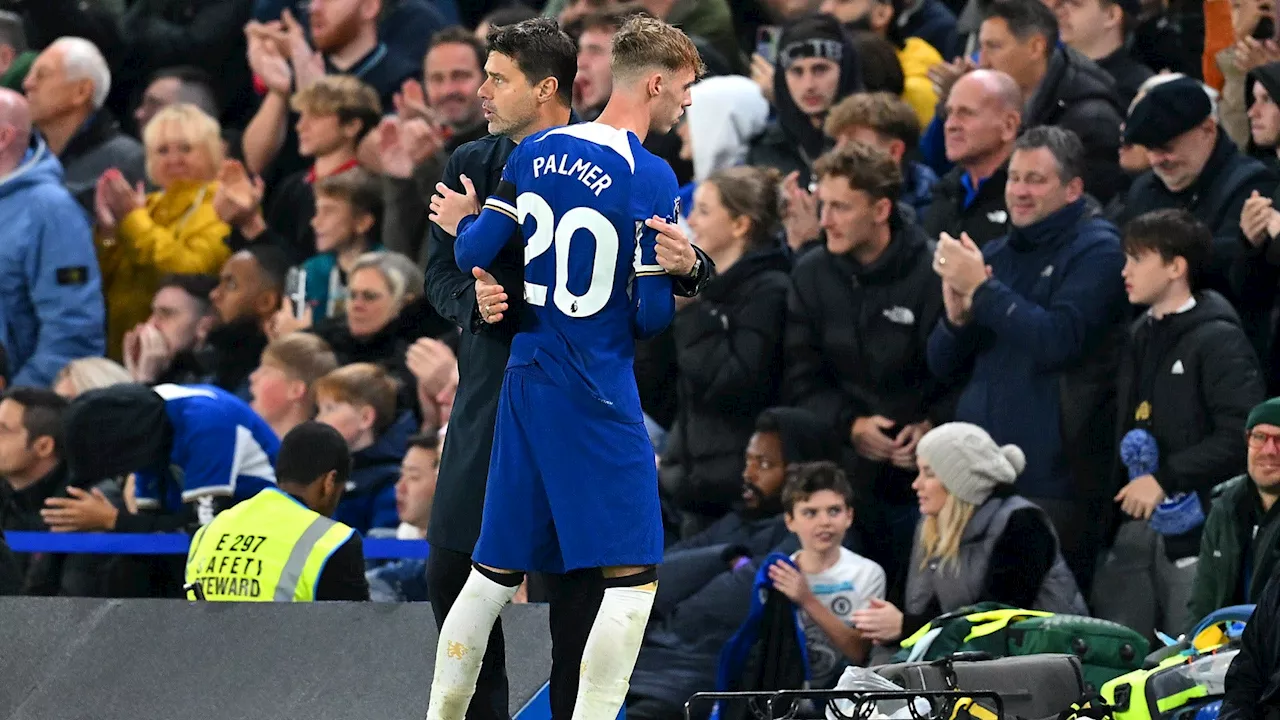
[985,219]
[483,350]
[1199,377]
[231,353]
[1252,684]
[287,214]
[1079,96]
[1216,198]
[855,344]
[80,575]
[10,577]
[729,362]
[1127,72]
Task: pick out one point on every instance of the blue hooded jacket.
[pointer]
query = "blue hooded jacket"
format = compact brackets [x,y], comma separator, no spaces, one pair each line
[369,502]
[51,306]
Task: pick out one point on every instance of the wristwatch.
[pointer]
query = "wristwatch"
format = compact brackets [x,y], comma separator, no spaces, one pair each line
[697,267]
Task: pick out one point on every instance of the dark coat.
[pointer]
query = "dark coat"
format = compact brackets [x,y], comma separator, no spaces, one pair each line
[985,219]
[1252,689]
[1216,198]
[1041,343]
[1200,378]
[729,361]
[856,339]
[483,350]
[1077,95]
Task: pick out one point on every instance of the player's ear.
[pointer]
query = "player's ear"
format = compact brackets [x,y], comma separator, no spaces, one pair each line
[654,86]
[547,89]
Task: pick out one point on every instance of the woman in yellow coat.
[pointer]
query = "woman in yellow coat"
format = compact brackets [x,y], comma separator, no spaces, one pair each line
[143,237]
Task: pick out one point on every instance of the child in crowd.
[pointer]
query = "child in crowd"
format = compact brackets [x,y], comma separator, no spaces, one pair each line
[359,401]
[829,582]
[405,580]
[282,387]
[347,208]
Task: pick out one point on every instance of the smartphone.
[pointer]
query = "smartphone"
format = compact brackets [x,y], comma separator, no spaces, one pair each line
[1265,30]
[296,290]
[767,42]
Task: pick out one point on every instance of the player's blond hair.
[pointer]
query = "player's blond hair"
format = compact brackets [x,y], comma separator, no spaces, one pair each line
[644,42]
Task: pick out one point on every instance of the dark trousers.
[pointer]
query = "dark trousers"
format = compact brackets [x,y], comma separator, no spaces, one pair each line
[574,599]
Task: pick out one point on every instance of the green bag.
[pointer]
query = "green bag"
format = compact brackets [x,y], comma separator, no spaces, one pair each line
[1106,650]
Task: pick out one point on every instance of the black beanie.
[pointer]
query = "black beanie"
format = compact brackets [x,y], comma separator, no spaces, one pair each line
[116,430]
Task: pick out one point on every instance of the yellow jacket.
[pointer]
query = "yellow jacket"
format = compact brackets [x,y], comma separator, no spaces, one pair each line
[916,57]
[177,232]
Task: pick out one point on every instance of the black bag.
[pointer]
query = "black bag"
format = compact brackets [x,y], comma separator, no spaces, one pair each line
[1032,686]
[775,663]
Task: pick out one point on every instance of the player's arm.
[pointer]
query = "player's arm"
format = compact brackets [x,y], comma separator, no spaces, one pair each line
[482,237]
[653,304]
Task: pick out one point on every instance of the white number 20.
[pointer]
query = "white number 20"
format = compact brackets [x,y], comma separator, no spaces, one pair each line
[547,232]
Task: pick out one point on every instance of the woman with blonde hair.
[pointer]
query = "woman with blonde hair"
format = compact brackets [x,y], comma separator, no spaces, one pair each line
[87,374]
[141,237]
[977,540]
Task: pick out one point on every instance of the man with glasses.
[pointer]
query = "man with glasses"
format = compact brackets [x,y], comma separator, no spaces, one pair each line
[1240,548]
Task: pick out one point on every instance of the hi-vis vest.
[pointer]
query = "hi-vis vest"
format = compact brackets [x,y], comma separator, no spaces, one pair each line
[267,548]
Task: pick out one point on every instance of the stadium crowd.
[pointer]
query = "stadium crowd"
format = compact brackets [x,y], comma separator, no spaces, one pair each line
[982,305]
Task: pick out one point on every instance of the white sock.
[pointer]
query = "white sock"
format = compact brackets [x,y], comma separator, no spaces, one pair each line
[611,651]
[463,639]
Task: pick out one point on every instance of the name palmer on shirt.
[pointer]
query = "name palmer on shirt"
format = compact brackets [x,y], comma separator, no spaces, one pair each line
[588,173]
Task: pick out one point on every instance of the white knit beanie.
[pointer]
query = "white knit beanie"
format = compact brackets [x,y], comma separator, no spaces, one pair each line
[968,462]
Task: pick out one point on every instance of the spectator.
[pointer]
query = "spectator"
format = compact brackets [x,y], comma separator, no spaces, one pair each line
[1227,63]
[506,15]
[347,209]
[726,115]
[978,539]
[783,436]
[67,88]
[173,85]
[860,313]
[405,580]
[1098,30]
[1251,683]
[1134,159]
[1040,334]
[345,36]
[1195,166]
[334,114]
[31,452]
[884,121]
[706,580]
[15,57]
[414,145]
[283,386]
[195,450]
[207,33]
[708,22]
[141,237]
[167,347]
[878,62]
[915,55]
[828,583]
[385,303]
[246,299]
[51,312]
[984,112]
[359,401]
[728,342]
[1264,113]
[594,82]
[301,554]
[1061,87]
[816,68]
[404,26]
[89,373]
[1240,547]
[1194,411]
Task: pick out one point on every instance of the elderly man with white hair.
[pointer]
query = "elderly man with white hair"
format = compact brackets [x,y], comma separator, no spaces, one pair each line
[67,89]
[51,307]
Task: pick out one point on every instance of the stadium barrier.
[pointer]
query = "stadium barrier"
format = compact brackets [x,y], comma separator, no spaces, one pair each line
[172,544]
[133,659]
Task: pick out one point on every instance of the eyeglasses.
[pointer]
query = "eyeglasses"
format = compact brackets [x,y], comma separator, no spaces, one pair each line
[1258,439]
[368,296]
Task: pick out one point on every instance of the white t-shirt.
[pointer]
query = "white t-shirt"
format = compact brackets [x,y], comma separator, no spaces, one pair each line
[843,588]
